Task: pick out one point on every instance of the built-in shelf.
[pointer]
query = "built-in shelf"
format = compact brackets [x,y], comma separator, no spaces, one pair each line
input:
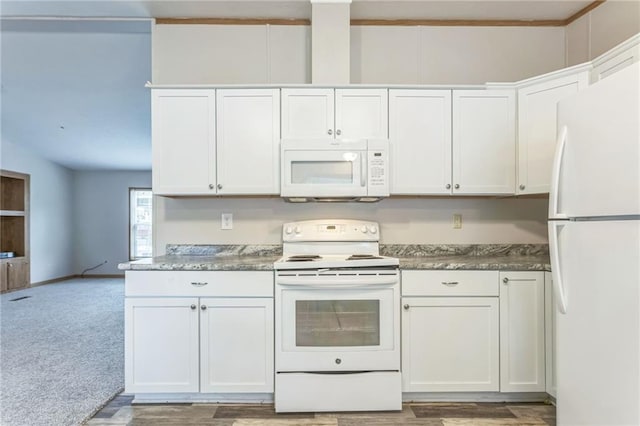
[11,212]
[14,228]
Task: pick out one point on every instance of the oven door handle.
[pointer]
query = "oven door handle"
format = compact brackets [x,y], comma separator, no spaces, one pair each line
[337,282]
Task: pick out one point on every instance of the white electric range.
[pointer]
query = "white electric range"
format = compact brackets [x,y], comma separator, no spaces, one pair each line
[337,319]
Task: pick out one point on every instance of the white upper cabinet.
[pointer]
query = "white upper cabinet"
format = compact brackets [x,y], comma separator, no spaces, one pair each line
[361,114]
[183,142]
[484,146]
[334,114]
[537,122]
[420,135]
[248,135]
[621,56]
[307,113]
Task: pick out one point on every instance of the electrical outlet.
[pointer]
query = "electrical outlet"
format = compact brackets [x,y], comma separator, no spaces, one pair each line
[226,221]
[457,221]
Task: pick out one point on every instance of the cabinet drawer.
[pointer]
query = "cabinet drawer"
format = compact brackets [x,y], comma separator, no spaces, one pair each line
[199,283]
[450,283]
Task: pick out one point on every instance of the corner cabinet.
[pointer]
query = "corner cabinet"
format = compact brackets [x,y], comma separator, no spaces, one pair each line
[537,127]
[202,145]
[14,230]
[199,332]
[325,113]
[450,331]
[522,337]
[484,142]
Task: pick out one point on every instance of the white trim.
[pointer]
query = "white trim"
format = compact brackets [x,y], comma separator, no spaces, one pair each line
[330,1]
[575,69]
[164,398]
[613,52]
[474,396]
[150,85]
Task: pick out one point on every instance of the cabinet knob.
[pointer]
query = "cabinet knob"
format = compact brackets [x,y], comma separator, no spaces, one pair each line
[338,132]
[448,186]
[210,186]
[219,186]
[193,307]
[522,187]
[406,307]
[457,186]
[329,132]
[338,361]
[505,280]
[203,307]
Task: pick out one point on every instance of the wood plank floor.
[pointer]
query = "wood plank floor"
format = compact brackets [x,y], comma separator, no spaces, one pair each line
[120,412]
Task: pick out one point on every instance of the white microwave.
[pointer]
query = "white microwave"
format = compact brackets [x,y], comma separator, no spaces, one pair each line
[338,170]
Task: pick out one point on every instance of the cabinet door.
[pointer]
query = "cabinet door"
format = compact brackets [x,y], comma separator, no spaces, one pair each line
[4,277]
[161,345]
[537,129]
[18,274]
[307,114]
[522,351]
[362,114]
[550,334]
[420,135]
[236,341]
[183,142]
[248,141]
[484,143]
[450,344]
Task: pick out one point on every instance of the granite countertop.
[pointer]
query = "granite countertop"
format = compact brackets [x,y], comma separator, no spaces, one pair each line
[512,257]
[503,257]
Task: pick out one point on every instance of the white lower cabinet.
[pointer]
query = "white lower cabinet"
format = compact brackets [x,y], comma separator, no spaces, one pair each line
[522,348]
[161,344]
[219,339]
[236,345]
[449,338]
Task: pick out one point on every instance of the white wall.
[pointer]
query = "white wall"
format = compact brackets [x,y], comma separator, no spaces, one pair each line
[51,211]
[453,55]
[243,54]
[604,27]
[101,230]
[402,220]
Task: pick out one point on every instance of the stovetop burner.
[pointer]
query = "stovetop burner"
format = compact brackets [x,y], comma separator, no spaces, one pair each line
[303,258]
[362,256]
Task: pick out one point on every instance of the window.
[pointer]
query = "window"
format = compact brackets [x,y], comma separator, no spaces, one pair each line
[140,214]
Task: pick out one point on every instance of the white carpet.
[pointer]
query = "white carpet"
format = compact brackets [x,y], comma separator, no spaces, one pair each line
[62,351]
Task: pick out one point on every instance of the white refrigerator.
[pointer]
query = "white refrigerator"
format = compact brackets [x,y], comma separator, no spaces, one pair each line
[594,242]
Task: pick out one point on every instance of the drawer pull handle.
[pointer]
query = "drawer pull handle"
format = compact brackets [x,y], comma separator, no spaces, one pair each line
[450,283]
[199,284]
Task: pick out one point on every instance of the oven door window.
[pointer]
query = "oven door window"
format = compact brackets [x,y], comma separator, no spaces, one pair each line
[336,323]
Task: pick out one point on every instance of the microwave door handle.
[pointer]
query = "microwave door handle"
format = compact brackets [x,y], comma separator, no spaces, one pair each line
[363,170]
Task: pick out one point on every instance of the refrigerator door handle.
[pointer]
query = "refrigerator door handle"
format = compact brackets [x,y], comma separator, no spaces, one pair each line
[556,268]
[554,195]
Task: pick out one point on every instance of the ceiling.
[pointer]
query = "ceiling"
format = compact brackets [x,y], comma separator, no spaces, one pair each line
[73,90]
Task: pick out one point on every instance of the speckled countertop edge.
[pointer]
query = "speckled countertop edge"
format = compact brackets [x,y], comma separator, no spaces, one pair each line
[523,257]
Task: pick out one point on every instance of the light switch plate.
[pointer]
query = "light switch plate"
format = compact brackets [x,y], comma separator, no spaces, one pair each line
[226,222]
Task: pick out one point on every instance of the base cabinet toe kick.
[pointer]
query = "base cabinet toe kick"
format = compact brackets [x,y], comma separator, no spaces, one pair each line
[482,339]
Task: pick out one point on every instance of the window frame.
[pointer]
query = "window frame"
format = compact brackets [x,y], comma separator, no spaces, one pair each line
[132,190]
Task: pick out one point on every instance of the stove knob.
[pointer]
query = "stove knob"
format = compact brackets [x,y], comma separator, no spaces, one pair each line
[298,230]
[289,230]
[373,229]
[363,228]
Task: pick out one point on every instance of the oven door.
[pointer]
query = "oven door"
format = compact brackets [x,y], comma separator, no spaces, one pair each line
[338,323]
[324,173]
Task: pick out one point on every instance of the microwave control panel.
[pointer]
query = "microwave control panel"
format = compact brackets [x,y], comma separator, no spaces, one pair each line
[378,168]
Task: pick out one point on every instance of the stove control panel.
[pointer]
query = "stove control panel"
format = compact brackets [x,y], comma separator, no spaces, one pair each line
[331,230]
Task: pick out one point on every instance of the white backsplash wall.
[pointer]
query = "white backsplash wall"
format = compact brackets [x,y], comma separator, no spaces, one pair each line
[402,220]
